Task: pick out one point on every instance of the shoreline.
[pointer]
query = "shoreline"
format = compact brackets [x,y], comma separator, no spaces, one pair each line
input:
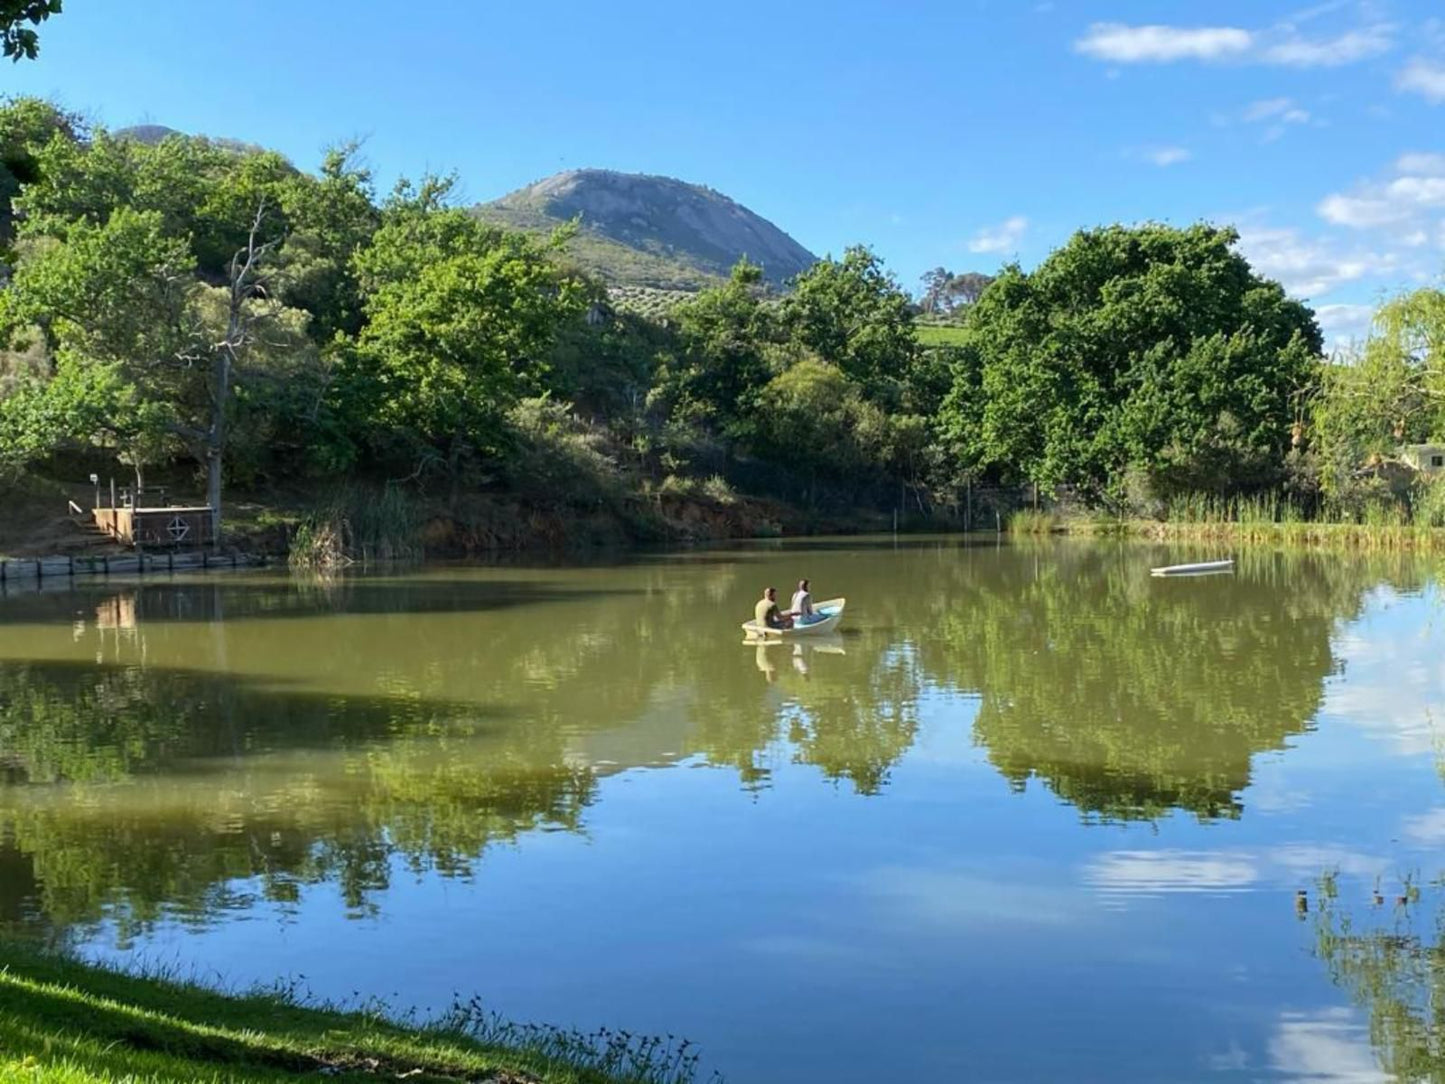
[65,1020]
[1296,534]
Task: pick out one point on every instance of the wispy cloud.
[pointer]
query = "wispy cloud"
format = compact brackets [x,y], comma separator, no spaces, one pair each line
[1281,45]
[1168,156]
[1283,110]
[1123,44]
[1411,203]
[1343,324]
[1004,237]
[1355,45]
[1309,267]
[1423,77]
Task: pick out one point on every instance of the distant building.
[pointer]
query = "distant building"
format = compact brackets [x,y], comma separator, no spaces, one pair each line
[1426,458]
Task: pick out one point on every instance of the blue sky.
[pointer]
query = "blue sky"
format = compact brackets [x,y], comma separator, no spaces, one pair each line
[963,133]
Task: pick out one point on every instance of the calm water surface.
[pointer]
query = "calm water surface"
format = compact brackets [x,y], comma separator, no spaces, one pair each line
[1034,816]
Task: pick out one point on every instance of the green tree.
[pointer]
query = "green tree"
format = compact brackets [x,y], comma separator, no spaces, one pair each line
[461,317]
[26,126]
[852,312]
[204,190]
[331,218]
[1389,392]
[122,296]
[1151,348]
[721,360]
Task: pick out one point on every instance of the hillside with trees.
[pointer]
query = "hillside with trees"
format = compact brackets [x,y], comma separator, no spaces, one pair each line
[205,314]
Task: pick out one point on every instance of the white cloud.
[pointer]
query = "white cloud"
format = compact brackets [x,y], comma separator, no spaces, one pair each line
[1344,323]
[1426,829]
[1308,267]
[1120,875]
[1162,44]
[1425,165]
[1277,113]
[1004,237]
[1423,77]
[1360,211]
[1281,45]
[1168,156]
[1409,202]
[1396,687]
[1148,873]
[1326,1047]
[1347,48]
[1283,109]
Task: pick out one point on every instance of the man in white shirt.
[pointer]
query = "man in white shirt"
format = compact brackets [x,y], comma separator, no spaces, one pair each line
[802,605]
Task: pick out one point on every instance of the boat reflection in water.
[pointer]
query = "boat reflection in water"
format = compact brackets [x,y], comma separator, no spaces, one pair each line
[767,653]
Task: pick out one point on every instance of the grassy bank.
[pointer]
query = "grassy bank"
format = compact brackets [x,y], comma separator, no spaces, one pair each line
[1246,522]
[65,1022]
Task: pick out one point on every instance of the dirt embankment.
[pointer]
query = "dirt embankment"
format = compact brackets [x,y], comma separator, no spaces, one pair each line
[39,521]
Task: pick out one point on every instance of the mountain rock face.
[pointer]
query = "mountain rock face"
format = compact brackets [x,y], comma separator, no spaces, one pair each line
[149,134]
[680,233]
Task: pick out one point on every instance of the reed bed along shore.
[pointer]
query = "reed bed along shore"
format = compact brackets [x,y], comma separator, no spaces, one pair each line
[1263,521]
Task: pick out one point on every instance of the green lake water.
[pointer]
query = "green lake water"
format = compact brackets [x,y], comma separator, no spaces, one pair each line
[1032,816]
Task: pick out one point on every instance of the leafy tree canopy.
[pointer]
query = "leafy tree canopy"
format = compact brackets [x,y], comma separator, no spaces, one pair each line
[21,41]
[1146,348]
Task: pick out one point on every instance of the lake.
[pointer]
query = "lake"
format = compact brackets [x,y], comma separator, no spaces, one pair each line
[1032,816]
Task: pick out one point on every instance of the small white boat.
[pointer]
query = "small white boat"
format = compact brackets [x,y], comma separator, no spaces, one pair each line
[1201,568]
[826,616]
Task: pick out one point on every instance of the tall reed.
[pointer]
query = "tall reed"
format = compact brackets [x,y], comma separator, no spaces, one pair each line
[358,524]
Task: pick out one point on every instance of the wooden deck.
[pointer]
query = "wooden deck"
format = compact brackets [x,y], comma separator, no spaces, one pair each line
[173,526]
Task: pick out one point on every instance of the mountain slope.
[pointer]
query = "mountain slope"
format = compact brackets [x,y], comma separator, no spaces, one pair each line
[643,230]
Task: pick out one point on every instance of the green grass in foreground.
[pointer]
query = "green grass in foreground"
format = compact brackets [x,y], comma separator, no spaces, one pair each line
[68,1023]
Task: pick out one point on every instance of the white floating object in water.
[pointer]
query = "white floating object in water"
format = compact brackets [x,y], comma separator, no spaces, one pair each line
[1202,568]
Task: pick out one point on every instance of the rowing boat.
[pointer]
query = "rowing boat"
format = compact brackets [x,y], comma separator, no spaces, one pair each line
[826,617]
[1200,568]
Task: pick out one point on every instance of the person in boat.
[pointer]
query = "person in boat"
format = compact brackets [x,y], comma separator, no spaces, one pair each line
[767,614]
[801,609]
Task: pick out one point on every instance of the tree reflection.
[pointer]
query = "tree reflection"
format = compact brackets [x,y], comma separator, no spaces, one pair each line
[1130,696]
[156,800]
[202,765]
[1390,959]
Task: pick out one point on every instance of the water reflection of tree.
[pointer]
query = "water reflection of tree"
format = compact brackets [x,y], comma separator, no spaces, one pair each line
[131,789]
[155,802]
[1390,959]
[1130,697]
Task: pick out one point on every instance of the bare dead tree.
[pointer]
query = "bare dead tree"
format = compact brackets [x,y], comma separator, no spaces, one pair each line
[248,282]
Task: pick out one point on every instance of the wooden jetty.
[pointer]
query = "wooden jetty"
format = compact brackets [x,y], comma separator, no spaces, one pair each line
[32,570]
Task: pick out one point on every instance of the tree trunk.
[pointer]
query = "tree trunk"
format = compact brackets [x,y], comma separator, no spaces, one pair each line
[216,442]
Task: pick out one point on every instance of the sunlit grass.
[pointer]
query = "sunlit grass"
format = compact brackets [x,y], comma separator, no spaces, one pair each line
[1261,520]
[68,1023]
